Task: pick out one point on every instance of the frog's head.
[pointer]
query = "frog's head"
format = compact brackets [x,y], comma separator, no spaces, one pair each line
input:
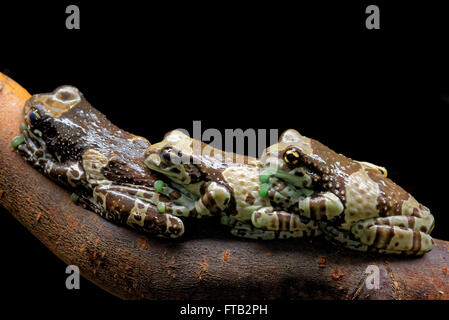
[53,104]
[45,120]
[288,160]
[174,158]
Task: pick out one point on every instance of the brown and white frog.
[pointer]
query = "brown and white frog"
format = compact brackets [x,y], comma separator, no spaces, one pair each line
[71,142]
[356,204]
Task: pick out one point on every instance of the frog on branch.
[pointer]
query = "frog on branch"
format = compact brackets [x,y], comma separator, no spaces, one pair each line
[71,142]
[354,202]
[223,184]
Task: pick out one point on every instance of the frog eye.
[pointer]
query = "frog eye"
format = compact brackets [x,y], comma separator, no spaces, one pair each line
[292,157]
[170,155]
[34,115]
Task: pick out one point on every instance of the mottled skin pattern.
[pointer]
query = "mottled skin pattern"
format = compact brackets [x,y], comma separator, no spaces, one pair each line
[71,142]
[222,183]
[355,203]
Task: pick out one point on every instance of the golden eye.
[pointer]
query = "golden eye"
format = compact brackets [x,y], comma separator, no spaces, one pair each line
[292,157]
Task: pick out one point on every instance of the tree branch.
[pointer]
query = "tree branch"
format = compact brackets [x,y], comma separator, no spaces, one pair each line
[205,263]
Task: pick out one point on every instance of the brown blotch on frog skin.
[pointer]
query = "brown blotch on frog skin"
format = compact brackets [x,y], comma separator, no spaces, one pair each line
[250,199]
[411,222]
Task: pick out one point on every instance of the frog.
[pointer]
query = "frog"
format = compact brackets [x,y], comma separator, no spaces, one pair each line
[354,202]
[74,144]
[223,184]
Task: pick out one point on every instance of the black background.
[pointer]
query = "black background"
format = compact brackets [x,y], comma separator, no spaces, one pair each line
[373,95]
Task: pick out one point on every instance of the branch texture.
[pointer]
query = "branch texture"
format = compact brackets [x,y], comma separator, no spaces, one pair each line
[207,263]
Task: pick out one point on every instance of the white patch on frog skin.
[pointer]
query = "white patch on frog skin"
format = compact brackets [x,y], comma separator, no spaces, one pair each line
[423,218]
[369,165]
[154,159]
[333,205]
[70,177]
[408,206]
[219,193]
[304,206]
[154,198]
[244,180]
[361,198]
[290,136]
[48,167]
[167,222]
[201,208]
[99,195]
[93,163]
[136,211]
[137,138]
[59,101]
[175,136]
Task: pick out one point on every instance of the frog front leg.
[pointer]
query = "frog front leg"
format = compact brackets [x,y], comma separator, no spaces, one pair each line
[396,234]
[214,198]
[69,173]
[171,202]
[124,208]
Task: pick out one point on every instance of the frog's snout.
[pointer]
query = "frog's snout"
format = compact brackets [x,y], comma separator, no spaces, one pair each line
[153,159]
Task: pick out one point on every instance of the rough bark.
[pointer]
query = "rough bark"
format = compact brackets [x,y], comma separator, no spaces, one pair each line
[206,263]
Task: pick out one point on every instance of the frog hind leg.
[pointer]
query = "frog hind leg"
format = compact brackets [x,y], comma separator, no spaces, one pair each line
[396,234]
[124,208]
[268,219]
[214,199]
[341,237]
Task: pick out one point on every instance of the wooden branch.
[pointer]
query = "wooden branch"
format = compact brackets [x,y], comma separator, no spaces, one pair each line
[207,263]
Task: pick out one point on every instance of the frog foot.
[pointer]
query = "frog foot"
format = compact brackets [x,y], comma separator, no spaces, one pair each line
[68,173]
